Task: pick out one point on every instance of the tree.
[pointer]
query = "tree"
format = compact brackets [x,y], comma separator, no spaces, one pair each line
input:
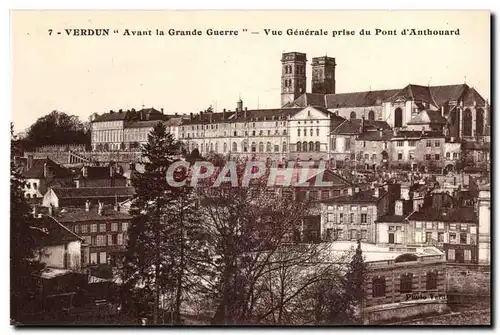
[147,260]
[24,269]
[57,128]
[354,291]
[163,234]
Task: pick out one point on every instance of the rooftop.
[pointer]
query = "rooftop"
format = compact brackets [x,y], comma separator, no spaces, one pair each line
[72,214]
[362,196]
[50,232]
[53,169]
[445,215]
[93,192]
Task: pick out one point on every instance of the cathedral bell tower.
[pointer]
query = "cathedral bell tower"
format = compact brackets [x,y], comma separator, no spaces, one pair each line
[293,76]
[323,75]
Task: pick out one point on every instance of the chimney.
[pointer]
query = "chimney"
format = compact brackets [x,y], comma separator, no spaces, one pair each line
[35,211]
[362,127]
[85,171]
[30,161]
[239,105]
[100,208]
[87,205]
[224,114]
[161,109]
[423,130]
[395,132]
[141,115]
[398,207]
[349,191]
[210,117]
[51,210]
[381,132]
[45,170]
[190,116]
[245,115]
[201,115]
[376,192]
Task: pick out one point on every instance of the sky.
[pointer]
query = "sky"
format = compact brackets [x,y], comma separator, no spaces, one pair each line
[82,75]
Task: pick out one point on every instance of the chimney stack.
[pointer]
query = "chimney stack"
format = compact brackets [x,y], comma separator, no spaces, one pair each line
[376,192]
[224,114]
[51,210]
[87,205]
[85,171]
[30,161]
[45,170]
[381,132]
[190,116]
[100,208]
[239,105]
[398,207]
[349,191]
[162,111]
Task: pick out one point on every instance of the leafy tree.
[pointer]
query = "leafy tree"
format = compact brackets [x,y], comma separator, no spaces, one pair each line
[354,291]
[24,270]
[57,128]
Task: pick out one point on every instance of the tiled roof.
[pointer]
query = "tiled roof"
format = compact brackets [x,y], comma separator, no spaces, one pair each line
[417,134]
[427,117]
[80,214]
[353,126]
[50,232]
[54,169]
[93,192]
[485,146]
[328,177]
[98,172]
[392,218]
[363,196]
[375,135]
[435,95]
[142,124]
[112,116]
[445,215]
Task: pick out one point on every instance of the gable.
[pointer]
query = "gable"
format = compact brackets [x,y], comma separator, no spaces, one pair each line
[310,113]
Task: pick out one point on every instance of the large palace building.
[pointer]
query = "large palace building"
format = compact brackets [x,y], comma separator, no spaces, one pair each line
[370,127]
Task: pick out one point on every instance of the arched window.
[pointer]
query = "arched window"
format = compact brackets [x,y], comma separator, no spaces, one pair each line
[206,147]
[371,115]
[217,147]
[304,146]
[318,146]
[378,287]
[261,147]
[235,147]
[479,122]
[286,83]
[298,132]
[311,146]
[284,146]
[244,146]
[254,147]
[268,147]
[311,132]
[398,118]
[467,123]
[299,146]
[317,131]
[225,147]
[211,147]
[353,115]
[431,280]
[289,82]
[405,284]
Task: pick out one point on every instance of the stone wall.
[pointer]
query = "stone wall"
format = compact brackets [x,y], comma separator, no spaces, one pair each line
[469,279]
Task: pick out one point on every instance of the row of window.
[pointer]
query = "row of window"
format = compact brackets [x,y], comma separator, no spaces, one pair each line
[311,132]
[107,136]
[339,234]
[341,208]
[101,227]
[441,225]
[405,284]
[453,238]
[215,126]
[347,218]
[105,240]
[456,155]
[299,69]
[305,147]
[210,147]
[235,134]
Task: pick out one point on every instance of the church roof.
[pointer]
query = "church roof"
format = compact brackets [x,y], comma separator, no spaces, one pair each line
[428,117]
[434,95]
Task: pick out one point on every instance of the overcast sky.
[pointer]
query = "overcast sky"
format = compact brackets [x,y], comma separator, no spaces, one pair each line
[82,75]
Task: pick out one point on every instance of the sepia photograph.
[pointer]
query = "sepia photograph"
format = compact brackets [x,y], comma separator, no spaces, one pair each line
[250,168]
